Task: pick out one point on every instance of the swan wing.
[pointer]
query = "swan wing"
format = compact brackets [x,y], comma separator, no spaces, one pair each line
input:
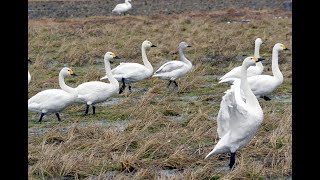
[170,66]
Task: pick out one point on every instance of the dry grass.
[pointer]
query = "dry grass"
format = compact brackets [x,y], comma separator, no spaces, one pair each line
[166,133]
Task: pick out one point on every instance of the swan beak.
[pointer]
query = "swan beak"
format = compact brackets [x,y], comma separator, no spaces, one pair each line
[153,45]
[260,59]
[189,46]
[29,60]
[286,49]
[116,57]
[74,74]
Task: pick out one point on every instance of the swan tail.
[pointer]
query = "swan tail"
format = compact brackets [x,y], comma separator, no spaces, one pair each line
[228,80]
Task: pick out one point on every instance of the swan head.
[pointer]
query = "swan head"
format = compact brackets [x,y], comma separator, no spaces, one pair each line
[280,47]
[251,61]
[184,45]
[258,41]
[147,44]
[67,72]
[109,56]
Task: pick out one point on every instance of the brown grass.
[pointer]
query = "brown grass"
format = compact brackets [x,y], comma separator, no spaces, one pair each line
[168,133]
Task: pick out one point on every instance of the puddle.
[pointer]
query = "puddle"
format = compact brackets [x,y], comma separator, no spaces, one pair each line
[117,126]
[286,98]
[169,174]
[188,98]
[110,102]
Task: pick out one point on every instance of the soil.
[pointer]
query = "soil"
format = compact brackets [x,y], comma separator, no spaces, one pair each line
[80,9]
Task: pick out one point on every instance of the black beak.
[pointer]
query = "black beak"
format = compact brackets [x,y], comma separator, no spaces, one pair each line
[74,74]
[189,46]
[29,60]
[286,49]
[153,45]
[260,59]
[117,57]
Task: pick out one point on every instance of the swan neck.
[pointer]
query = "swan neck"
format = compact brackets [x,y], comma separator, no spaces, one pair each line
[257,54]
[145,60]
[251,99]
[112,80]
[183,58]
[275,65]
[65,87]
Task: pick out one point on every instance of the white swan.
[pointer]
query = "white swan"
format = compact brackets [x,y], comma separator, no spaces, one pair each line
[123,7]
[174,69]
[133,72]
[252,70]
[238,119]
[263,85]
[54,100]
[95,91]
[29,76]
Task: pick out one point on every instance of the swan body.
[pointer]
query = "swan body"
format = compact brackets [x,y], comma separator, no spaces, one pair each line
[174,69]
[239,116]
[263,85]
[123,7]
[29,76]
[252,70]
[94,92]
[133,72]
[54,100]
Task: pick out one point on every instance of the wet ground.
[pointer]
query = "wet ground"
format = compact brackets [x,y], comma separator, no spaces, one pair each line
[81,9]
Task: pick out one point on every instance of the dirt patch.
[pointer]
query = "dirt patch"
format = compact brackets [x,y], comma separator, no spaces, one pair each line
[81,9]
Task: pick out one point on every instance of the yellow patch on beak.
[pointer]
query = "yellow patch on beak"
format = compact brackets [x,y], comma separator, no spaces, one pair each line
[113,55]
[255,59]
[71,72]
[283,46]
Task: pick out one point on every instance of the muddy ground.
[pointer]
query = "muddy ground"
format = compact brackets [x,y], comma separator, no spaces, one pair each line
[80,9]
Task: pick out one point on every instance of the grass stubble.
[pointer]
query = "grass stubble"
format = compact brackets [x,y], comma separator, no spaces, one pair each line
[155,132]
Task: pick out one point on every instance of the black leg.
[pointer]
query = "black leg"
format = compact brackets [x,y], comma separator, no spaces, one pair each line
[87,109]
[266,98]
[169,83]
[57,114]
[123,86]
[41,116]
[130,88]
[232,160]
[93,109]
[175,83]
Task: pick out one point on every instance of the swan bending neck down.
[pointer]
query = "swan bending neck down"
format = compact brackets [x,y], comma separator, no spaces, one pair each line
[94,92]
[54,100]
[252,70]
[174,69]
[133,72]
[123,7]
[238,119]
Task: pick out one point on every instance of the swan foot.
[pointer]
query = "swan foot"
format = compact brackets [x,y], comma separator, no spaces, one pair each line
[175,83]
[232,160]
[169,83]
[41,116]
[266,98]
[87,110]
[58,116]
[130,88]
[93,110]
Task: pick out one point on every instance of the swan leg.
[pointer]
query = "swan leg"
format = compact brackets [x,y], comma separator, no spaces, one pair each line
[41,116]
[232,160]
[58,116]
[123,86]
[266,98]
[169,83]
[175,83]
[130,88]
[93,109]
[87,110]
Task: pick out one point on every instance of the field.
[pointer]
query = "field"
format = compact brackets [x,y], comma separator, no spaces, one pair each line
[157,132]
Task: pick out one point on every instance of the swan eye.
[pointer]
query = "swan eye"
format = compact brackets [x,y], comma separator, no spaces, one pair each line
[68,70]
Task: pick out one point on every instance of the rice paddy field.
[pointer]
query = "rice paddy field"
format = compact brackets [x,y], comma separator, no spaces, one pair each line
[155,132]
